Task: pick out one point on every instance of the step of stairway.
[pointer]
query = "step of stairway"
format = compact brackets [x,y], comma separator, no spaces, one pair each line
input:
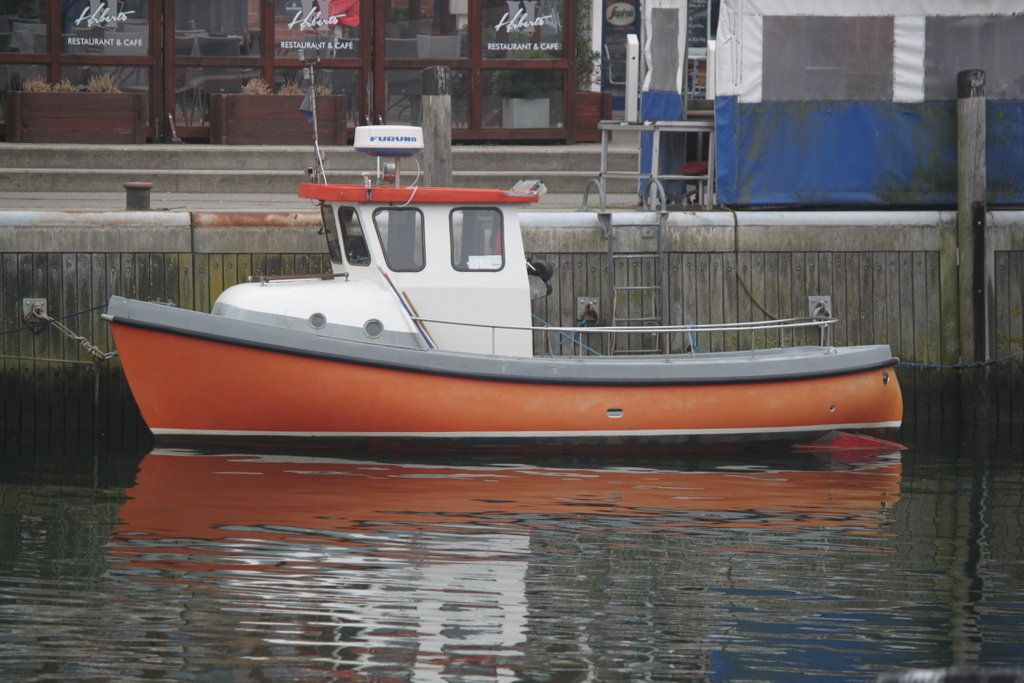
[252,169]
[248,182]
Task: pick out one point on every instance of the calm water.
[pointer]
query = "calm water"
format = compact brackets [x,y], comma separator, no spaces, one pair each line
[120,562]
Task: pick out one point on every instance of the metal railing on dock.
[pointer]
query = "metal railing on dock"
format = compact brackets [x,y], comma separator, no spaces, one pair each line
[703,179]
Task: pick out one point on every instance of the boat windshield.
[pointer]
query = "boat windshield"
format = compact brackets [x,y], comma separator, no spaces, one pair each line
[352,235]
[401,235]
[331,230]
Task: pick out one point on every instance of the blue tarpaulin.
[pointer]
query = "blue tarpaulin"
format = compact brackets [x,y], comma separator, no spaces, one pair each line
[663,106]
[859,152]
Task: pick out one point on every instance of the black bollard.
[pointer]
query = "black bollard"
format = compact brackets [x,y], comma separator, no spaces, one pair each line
[137,196]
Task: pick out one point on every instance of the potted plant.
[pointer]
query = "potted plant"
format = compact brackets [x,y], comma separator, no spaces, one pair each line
[63,112]
[525,94]
[259,116]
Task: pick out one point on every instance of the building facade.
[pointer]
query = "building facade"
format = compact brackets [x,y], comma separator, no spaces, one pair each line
[513,62]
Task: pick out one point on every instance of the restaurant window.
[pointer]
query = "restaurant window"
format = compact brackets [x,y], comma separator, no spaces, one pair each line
[513,29]
[23,27]
[518,97]
[404,92]
[523,98]
[828,58]
[96,27]
[129,79]
[217,28]
[477,239]
[328,81]
[13,76]
[418,30]
[193,86]
[401,236]
[328,29]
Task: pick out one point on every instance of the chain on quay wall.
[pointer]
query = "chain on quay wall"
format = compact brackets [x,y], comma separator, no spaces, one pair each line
[891,277]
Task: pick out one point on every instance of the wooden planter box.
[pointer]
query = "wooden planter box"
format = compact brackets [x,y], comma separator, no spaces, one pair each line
[114,118]
[276,120]
[591,109]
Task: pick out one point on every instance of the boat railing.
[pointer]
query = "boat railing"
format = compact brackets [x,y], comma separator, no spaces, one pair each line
[264,279]
[667,337]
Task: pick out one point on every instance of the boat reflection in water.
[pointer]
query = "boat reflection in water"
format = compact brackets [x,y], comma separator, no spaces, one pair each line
[388,568]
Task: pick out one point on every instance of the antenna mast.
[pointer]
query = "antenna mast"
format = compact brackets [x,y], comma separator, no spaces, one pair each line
[317,173]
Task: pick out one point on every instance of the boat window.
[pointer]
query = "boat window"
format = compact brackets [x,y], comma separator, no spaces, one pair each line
[331,230]
[477,239]
[351,236]
[401,235]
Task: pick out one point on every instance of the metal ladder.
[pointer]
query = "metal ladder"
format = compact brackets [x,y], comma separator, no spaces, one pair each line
[651,296]
[639,303]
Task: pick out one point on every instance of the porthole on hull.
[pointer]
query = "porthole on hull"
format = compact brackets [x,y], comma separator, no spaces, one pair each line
[373,328]
[318,321]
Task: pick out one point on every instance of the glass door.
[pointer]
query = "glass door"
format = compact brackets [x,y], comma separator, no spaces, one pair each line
[414,36]
[259,46]
[332,32]
[524,67]
[212,46]
[93,31]
[507,59]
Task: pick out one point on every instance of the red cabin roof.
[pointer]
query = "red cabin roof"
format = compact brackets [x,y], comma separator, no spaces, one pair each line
[422,195]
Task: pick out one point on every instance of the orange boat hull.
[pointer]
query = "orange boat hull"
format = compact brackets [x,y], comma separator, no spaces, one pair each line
[222,389]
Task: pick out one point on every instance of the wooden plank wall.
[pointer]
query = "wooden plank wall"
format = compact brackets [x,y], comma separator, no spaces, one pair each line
[50,381]
[889,297]
[1004,242]
[904,296]
[1008,338]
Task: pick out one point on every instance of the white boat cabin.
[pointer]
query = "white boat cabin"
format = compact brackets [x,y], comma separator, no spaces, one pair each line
[438,268]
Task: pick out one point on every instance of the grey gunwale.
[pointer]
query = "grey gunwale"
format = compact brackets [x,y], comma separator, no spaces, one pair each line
[734,367]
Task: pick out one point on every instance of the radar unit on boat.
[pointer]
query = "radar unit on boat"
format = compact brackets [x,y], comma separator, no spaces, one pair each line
[391,142]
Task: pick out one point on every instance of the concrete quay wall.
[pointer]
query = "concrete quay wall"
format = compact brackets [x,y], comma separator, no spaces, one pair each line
[891,278]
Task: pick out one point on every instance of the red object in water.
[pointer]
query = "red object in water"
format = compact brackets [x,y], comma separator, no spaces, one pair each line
[845,441]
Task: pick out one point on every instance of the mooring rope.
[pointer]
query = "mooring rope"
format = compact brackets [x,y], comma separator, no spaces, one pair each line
[566,337]
[98,355]
[736,253]
[63,317]
[746,290]
[49,360]
[964,366]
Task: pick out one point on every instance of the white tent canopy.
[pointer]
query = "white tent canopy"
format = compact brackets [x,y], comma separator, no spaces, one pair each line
[665,32]
[905,51]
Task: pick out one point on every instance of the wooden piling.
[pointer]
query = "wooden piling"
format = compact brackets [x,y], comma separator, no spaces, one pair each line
[971,208]
[437,126]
